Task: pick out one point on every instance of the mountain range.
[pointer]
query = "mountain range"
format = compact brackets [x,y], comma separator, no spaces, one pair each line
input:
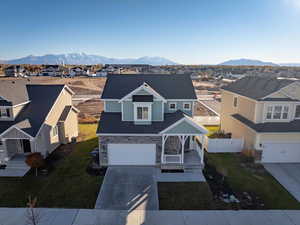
[254,62]
[82,58]
[247,62]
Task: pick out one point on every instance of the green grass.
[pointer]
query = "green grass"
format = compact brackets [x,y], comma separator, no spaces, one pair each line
[256,180]
[212,129]
[184,196]
[67,186]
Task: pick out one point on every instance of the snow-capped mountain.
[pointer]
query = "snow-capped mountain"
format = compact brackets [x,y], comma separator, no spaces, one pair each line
[82,58]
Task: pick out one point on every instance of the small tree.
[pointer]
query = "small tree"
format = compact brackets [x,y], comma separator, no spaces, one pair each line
[33,216]
[35,161]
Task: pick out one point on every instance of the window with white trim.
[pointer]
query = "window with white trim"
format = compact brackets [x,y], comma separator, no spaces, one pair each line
[4,112]
[297,112]
[54,131]
[172,106]
[277,112]
[142,113]
[187,106]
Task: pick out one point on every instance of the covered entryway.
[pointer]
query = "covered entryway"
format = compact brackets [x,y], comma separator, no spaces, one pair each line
[281,152]
[131,154]
[179,145]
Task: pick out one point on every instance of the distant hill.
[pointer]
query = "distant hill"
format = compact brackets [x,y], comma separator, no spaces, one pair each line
[290,64]
[247,62]
[82,58]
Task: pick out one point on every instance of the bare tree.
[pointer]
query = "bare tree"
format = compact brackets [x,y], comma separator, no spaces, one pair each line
[33,216]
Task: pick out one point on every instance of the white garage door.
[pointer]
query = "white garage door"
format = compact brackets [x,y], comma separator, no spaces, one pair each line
[281,153]
[131,154]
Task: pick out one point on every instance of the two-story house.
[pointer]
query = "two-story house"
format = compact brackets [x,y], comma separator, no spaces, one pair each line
[34,118]
[266,113]
[52,70]
[14,71]
[148,120]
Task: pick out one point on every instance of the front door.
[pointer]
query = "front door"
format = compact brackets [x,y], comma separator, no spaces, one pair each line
[25,146]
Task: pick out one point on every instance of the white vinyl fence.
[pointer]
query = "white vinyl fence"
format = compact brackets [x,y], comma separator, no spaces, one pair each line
[207,120]
[218,145]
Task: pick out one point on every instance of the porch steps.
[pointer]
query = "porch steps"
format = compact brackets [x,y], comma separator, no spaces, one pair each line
[172,166]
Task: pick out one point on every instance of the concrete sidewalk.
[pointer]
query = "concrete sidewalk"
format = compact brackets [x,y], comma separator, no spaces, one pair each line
[17,216]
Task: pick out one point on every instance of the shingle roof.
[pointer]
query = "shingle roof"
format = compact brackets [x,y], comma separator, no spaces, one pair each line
[257,87]
[111,123]
[33,115]
[168,86]
[271,127]
[14,91]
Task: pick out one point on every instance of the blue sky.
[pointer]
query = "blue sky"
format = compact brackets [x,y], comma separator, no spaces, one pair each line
[186,31]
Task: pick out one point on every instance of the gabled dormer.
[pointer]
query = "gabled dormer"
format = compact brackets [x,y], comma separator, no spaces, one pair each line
[143,105]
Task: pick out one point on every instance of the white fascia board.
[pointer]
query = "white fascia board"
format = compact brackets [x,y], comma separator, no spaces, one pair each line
[202,129]
[147,88]
[12,127]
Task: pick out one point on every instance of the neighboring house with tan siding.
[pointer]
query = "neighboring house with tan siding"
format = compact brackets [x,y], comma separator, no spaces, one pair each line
[265,112]
[35,118]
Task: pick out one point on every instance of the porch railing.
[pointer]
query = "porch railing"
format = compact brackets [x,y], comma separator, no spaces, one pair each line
[172,158]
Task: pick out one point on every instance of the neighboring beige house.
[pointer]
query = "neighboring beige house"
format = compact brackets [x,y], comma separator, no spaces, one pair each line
[35,118]
[265,112]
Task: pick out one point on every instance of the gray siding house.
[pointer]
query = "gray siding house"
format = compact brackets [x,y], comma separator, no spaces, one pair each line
[148,120]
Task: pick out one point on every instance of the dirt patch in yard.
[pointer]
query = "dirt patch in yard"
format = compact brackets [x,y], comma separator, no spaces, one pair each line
[223,192]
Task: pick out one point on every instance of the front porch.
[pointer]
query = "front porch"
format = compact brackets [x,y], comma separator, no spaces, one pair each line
[181,152]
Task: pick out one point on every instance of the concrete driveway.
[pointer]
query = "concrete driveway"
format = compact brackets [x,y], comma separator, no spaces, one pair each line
[288,175]
[128,188]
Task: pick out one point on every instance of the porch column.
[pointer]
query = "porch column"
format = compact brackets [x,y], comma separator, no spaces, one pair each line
[191,143]
[164,138]
[202,149]
[3,151]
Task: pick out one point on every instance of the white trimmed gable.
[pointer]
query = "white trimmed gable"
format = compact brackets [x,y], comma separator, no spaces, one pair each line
[144,89]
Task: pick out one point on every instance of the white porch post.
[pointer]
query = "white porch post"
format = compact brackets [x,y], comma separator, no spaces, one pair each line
[202,149]
[164,138]
[191,143]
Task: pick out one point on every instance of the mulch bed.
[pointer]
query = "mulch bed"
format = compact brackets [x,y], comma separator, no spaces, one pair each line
[223,192]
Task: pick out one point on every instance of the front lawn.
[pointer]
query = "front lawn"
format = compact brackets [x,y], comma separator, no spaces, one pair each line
[242,175]
[184,196]
[67,186]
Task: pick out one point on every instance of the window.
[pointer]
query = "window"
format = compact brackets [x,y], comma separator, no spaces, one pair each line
[142,113]
[172,106]
[297,113]
[285,112]
[4,112]
[277,112]
[235,101]
[187,106]
[269,112]
[55,131]
[1,143]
